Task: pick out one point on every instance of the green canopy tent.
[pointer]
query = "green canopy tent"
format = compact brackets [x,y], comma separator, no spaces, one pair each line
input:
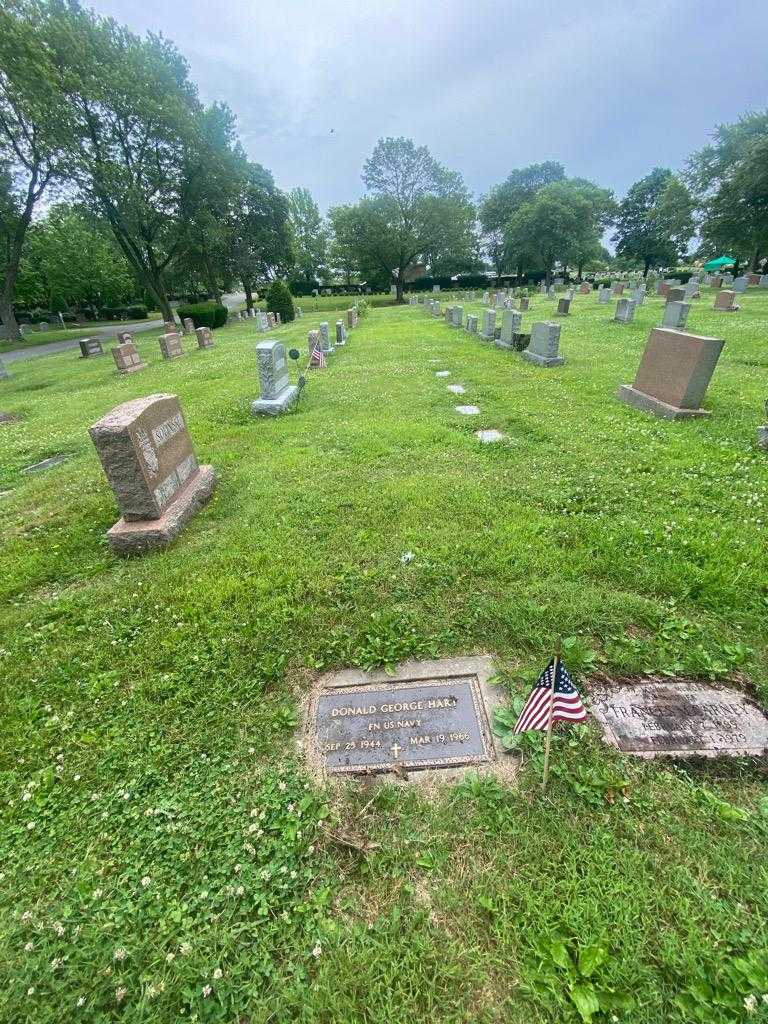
[720,262]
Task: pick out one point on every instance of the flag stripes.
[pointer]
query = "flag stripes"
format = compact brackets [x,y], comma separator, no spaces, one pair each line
[565,701]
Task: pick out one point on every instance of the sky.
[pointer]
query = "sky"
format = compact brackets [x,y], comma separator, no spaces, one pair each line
[610,89]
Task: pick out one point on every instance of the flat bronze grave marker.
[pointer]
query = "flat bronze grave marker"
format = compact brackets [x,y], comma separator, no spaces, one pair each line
[679,718]
[431,715]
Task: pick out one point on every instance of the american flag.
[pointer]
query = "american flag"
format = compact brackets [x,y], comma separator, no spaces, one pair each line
[566,707]
[318,356]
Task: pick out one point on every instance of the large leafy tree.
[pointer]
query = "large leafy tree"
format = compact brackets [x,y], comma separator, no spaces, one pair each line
[259,234]
[34,136]
[343,251]
[654,223]
[730,177]
[415,209]
[143,145]
[503,201]
[310,235]
[560,222]
[71,260]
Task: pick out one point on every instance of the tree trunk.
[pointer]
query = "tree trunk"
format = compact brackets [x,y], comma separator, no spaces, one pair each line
[248,293]
[647,263]
[213,286]
[736,267]
[399,285]
[8,317]
[755,263]
[579,276]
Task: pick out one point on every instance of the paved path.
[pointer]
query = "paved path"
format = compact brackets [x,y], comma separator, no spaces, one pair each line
[110,331]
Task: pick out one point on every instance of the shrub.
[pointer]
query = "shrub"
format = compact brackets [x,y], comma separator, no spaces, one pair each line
[136,312]
[279,301]
[38,315]
[204,314]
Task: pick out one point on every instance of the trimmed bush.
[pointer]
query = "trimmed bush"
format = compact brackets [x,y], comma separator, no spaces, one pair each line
[204,314]
[279,301]
[136,312]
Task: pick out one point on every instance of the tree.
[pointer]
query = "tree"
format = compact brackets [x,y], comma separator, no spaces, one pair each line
[558,223]
[655,220]
[342,252]
[415,208]
[504,200]
[279,300]
[730,177]
[143,145]
[71,261]
[259,233]
[34,131]
[310,234]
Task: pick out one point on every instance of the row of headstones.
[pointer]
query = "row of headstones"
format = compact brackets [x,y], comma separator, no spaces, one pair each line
[126,355]
[541,346]
[264,321]
[738,284]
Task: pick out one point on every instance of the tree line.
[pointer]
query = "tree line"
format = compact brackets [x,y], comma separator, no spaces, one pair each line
[116,180]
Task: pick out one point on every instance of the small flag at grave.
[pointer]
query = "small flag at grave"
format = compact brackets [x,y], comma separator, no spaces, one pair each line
[554,698]
[318,356]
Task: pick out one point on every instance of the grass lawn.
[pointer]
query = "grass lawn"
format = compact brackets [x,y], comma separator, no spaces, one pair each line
[332,303]
[164,856]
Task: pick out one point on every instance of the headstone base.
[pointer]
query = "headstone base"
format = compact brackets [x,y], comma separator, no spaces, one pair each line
[647,403]
[133,369]
[534,357]
[762,437]
[136,538]
[274,406]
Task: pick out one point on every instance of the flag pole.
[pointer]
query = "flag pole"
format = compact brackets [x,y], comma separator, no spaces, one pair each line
[548,743]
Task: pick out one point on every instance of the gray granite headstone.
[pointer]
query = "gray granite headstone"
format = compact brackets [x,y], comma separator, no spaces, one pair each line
[662,717]
[325,340]
[170,346]
[543,348]
[458,316]
[472,324]
[90,347]
[740,284]
[341,334]
[604,295]
[638,296]
[676,315]
[511,322]
[277,392]
[563,307]
[625,311]
[489,324]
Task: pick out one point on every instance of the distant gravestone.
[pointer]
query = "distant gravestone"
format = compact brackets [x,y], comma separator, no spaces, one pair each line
[674,374]
[511,322]
[740,285]
[753,279]
[127,358]
[341,334]
[413,300]
[170,346]
[204,337]
[189,324]
[676,295]
[662,289]
[489,324]
[724,301]
[277,392]
[90,347]
[147,455]
[325,340]
[43,326]
[458,316]
[123,337]
[604,296]
[299,312]
[169,327]
[352,316]
[472,324]
[585,288]
[763,283]
[617,290]
[676,315]
[543,348]
[638,296]
[271,322]
[662,717]
[625,311]
[563,307]
[691,290]
[524,303]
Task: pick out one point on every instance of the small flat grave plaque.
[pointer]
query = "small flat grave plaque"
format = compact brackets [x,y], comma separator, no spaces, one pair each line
[425,723]
[664,718]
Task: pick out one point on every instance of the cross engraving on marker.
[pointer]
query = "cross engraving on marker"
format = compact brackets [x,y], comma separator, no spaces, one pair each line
[395,750]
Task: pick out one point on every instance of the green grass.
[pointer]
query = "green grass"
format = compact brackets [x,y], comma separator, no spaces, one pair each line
[332,303]
[157,826]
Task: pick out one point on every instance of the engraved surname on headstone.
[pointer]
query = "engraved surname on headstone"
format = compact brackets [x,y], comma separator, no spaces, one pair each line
[678,718]
[147,454]
[425,724]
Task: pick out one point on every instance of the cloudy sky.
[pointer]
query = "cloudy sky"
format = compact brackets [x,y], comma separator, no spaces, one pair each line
[608,88]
